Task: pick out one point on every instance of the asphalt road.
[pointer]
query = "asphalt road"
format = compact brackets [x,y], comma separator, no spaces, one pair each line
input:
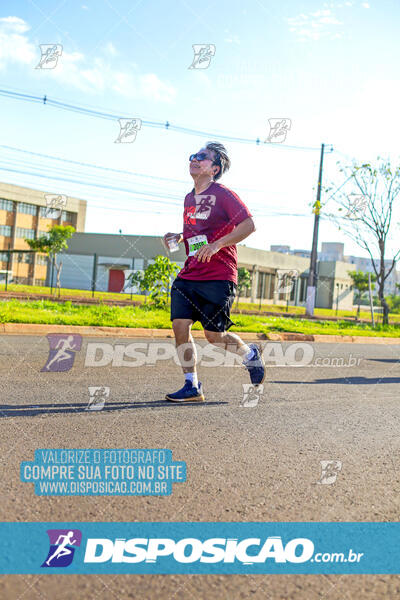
[245,463]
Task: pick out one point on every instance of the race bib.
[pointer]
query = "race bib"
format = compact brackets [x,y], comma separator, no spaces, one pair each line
[196,242]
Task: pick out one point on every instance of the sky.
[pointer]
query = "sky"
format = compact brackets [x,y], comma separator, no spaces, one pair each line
[326,67]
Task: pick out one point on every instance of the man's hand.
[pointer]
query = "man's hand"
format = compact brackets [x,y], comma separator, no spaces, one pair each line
[170,236]
[205,253]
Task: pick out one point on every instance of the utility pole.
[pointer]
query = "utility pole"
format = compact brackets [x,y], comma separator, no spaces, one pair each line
[312,275]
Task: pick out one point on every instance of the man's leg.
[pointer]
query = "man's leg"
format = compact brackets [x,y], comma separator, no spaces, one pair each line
[228,341]
[252,358]
[185,345]
[192,390]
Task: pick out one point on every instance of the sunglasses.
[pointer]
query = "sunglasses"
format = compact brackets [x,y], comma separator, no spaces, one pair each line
[199,156]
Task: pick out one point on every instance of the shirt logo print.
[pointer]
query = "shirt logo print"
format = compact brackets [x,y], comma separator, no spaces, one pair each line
[189,215]
[204,204]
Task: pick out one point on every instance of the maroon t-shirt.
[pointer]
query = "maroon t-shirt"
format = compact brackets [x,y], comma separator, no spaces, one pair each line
[207,217]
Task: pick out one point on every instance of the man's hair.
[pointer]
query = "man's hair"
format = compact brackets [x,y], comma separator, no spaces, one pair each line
[221,158]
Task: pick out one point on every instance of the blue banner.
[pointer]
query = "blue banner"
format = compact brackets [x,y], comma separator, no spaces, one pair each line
[209,548]
[103,472]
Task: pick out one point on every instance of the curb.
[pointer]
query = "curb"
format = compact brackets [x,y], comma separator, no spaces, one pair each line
[140,332]
[333,339]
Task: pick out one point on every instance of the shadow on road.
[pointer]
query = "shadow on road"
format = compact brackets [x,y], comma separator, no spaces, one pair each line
[32,410]
[346,381]
[386,360]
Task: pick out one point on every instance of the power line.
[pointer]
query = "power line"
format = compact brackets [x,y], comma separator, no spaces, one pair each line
[155,124]
[10,164]
[113,170]
[91,165]
[166,204]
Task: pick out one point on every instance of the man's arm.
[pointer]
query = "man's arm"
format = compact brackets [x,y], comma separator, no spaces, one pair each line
[241,231]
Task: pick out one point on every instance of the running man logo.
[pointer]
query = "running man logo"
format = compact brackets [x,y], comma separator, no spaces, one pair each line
[330,470]
[128,130]
[98,396]
[278,129]
[204,204]
[357,206]
[63,543]
[50,54]
[54,205]
[285,280]
[62,351]
[252,394]
[203,54]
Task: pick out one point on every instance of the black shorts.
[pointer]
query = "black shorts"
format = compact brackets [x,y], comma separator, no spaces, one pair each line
[209,302]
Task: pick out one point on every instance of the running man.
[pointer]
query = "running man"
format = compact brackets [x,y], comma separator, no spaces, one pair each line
[62,549]
[62,345]
[214,221]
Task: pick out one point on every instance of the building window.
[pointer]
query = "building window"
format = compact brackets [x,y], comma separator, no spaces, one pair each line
[24,257]
[3,256]
[41,259]
[67,216]
[266,282]
[293,291]
[46,233]
[28,209]
[5,230]
[6,204]
[21,232]
[40,282]
[303,289]
[260,286]
[46,211]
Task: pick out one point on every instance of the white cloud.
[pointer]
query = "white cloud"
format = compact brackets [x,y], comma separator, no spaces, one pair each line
[365,5]
[111,49]
[233,39]
[315,25]
[75,70]
[15,24]
[14,46]
[152,87]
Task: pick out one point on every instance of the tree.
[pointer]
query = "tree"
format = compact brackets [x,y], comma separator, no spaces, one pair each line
[244,282]
[141,280]
[394,303]
[158,276]
[360,283]
[368,195]
[52,244]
